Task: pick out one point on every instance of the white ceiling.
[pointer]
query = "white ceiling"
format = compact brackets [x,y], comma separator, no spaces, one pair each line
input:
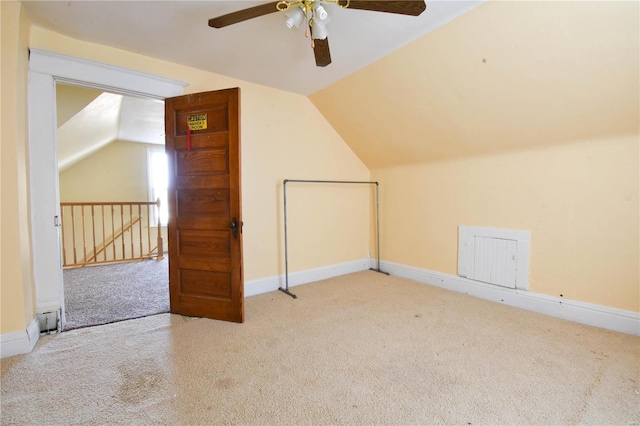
[141,120]
[262,50]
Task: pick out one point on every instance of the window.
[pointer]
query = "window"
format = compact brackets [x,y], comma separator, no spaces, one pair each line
[158,183]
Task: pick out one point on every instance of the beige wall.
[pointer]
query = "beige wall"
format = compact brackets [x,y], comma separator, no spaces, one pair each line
[522,115]
[117,172]
[16,285]
[579,201]
[283,136]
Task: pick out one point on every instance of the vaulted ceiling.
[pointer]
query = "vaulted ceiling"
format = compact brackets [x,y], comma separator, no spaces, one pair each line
[508,75]
[261,50]
[502,76]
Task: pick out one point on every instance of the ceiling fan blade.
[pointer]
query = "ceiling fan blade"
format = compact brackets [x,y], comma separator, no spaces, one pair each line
[243,15]
[321,52]
[406,7]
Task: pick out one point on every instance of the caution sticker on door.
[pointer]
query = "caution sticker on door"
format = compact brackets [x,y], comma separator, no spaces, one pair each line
[197,122]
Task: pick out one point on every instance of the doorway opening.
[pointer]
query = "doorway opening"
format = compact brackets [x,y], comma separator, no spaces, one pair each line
[112,176]
[46,70]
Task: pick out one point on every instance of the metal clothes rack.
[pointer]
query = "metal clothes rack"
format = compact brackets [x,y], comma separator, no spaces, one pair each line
[286,247]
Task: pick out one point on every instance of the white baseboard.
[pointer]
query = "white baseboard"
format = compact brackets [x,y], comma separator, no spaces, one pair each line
[265,285]
[19,342]
[573,310]
[49,304]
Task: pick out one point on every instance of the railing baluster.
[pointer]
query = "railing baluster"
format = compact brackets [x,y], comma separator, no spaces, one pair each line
[113,232]
[84,238]
[131,230]
[93,228]
[122,226]
[148,230]
[140,229]
[73,232]
[104,237]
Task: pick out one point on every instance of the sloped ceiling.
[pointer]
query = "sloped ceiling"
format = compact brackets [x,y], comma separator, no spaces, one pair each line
[262,50]
[72,99]
[141,120]
[90,119]
[505,76]
[89,130]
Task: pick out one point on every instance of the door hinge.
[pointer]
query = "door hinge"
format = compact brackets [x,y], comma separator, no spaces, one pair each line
[56,221]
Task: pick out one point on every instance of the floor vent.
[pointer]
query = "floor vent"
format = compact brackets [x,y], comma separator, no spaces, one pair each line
[49,322]
[494,256]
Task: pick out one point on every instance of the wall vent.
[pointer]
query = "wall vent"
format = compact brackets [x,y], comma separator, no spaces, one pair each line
[494,256]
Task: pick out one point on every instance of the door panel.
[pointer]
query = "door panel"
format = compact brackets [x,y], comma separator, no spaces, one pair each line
[205,254]
[204,162]
[204,243]
[203,202]
[206,283]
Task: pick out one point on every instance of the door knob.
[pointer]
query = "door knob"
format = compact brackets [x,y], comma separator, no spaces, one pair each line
[233,225]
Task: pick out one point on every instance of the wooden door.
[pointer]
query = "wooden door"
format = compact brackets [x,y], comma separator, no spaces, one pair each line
[205,215]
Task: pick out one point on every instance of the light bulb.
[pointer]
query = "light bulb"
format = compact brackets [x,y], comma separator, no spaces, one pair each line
[321,12]
[295,17]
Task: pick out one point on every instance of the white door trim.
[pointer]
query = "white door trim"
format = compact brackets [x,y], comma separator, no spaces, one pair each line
[103,76]
[45,69]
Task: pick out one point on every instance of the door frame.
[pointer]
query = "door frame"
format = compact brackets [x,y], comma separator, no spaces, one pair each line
[45,70]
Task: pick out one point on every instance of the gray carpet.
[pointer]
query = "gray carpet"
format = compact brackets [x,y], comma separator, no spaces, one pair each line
[104,294]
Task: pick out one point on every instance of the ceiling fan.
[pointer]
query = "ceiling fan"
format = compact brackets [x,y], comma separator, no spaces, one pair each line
[316,15]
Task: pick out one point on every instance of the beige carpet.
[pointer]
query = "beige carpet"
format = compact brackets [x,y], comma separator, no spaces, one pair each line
[360,349]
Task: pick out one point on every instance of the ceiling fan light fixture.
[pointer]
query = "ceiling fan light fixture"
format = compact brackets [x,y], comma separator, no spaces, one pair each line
[295,16]
[318,30]
[320,12]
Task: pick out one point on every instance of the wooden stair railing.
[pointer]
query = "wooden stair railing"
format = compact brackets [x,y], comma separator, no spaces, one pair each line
[100,229]
[113,239]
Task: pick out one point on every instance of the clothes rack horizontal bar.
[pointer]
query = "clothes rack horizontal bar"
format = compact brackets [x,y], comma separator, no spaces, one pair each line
[328,181]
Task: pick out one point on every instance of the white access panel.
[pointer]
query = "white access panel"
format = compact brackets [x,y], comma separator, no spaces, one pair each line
[494,261]
[494,256]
